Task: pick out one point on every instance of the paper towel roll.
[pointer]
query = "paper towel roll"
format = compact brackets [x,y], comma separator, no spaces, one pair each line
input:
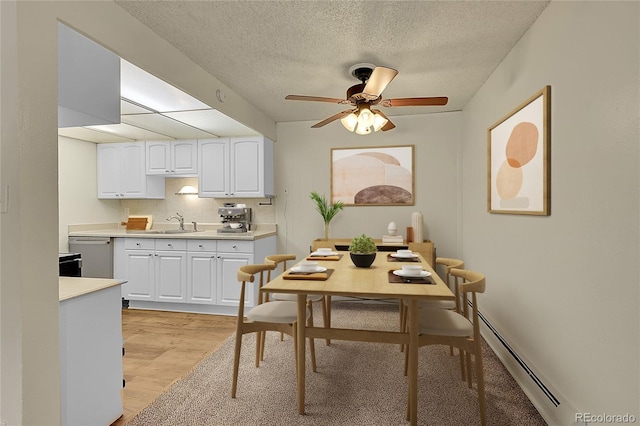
[416,223]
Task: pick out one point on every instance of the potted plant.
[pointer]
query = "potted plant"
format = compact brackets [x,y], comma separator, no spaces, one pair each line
[362,251]
[326,210]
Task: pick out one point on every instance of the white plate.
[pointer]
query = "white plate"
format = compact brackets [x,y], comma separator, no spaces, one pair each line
[318,269]
[401,273]
[404,256]
[315,253]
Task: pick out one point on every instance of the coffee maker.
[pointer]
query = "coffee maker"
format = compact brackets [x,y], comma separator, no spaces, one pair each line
[235,219]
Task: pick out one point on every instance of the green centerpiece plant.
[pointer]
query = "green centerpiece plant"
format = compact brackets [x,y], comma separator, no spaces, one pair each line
[362,251]
[326,210]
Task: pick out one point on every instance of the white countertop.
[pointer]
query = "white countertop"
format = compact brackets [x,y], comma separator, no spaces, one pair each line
[70,287]
[210,234]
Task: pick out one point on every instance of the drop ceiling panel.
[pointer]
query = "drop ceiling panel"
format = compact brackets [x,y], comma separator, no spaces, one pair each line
[131,132]
[86,134]
[212,121]
[166,125]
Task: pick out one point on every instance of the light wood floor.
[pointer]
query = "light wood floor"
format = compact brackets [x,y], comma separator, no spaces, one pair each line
[162,347]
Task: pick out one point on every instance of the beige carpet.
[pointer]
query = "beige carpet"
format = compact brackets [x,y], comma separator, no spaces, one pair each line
[356,384]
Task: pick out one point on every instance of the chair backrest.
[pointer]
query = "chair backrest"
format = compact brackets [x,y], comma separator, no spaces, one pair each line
[277,259]
[426,249]
[473,282]
[316,244]
[450,263]
[246,273]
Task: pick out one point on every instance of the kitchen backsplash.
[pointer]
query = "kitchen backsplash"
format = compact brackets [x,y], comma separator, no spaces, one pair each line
[201,210]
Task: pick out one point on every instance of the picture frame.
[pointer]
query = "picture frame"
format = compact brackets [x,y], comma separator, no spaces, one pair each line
[518,159]
[373,176]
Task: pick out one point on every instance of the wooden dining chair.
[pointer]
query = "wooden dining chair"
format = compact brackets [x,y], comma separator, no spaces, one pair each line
[461,330]
[278,259]
[448,263]
[276,315]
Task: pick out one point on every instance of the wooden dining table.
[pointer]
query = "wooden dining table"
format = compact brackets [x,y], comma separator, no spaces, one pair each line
[342,278]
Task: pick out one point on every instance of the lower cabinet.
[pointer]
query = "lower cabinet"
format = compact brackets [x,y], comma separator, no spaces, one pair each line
[189,272]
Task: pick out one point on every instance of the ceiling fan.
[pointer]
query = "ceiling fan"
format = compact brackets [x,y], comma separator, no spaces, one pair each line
[363,119]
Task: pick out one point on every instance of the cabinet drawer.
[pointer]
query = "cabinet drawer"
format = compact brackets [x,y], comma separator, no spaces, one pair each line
[202,245]
[235,246]
[139,243]
[171,244]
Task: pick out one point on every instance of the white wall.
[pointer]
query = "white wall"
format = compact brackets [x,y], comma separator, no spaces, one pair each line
[303,165]
[563,289]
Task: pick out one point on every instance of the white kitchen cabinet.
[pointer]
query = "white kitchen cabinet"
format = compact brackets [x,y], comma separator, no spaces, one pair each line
[171,276]
[155,270]
[195,275]
[121,172]
[237,167]
[178,158]
[228,286]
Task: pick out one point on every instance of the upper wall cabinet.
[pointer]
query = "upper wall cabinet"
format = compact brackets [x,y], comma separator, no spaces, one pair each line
[237,167]
[88,81]
[121,172]
[172,158]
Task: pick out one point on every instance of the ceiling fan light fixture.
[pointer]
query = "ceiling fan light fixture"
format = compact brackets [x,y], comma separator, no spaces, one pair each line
[361,130]
[379,122]
[349,122]
[365,116]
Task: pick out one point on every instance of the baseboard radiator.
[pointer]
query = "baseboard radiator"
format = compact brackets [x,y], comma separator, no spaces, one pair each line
[544,389]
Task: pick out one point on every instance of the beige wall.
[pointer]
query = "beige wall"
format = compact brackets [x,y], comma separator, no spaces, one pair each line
[77,189]
[303,165]
[563,289]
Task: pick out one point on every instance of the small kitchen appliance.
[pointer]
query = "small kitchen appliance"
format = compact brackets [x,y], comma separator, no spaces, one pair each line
[235,219]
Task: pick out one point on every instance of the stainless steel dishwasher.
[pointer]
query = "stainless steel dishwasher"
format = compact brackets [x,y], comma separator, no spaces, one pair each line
[97,255]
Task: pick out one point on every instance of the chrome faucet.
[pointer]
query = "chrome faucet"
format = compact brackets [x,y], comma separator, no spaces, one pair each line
[180,219]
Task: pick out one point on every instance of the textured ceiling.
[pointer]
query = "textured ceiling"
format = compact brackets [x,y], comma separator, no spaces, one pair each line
[264,50]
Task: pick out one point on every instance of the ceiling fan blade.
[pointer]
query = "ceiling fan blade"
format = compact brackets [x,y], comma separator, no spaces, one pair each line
[315,99]
[389,125]
[433,101]
[333,118]
[380,78]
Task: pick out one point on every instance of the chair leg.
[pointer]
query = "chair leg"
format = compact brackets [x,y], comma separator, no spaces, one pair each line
[236,357]
[468,362]
[462,369]
[259,338]
[262,340]
[480,380]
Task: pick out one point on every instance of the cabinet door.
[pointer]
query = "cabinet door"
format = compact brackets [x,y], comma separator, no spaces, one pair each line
[139,275]
[247,178]
[109,171]
[133,170]
[158,154]
[202,277]
[171,276]
[228,285]
[184,157]
[214,163]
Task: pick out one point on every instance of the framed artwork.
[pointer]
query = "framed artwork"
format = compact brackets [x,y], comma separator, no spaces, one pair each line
[518,158]
[376,176]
